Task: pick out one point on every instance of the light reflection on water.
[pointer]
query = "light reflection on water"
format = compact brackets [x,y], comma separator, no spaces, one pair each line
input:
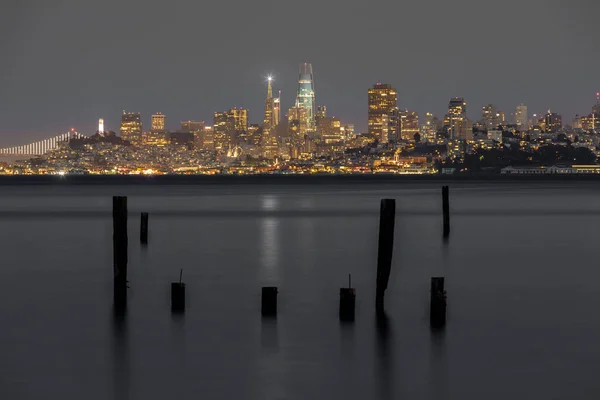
[521,285]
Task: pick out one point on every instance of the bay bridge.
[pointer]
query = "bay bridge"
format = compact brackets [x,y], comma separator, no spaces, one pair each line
[41,147]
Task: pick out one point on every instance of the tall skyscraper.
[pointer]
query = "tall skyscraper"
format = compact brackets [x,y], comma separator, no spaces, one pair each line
[297,122]
[131,127]
[459,127]
[158,122]
[491,117]
[269,138]
[409,124]
[330,130]
[196,128]
[240,119]
[272,109]
[228,126]
[223,128]
[306,95]
[383,112]
[551,122]
[522,117]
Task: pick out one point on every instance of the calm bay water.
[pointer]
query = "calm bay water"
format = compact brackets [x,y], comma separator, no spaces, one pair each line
[521,272]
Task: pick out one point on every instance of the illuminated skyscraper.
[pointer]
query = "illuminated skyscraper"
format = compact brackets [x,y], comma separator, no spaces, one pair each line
[158,122]
[228,126]
[240,119]
[131,127]
[551,122]
[271,119]
[297,121]
[196,128]
[100,126]
[330,130]
[383,112]
[409,124]
[321,113]
[521,117]
[459,127]
[306,95]
[269,142]
[223,128]
[491,117]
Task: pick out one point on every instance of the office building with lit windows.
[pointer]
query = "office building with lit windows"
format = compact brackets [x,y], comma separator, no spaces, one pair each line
[306,95]
[522,117]
[383,112]
[459,127]
[408,124]
[131,128]
[158,122]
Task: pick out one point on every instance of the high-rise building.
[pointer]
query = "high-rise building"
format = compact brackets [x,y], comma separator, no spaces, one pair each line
[131,127]
[196,128]
[551,122]
[240,119]
[383,112]
[271,119]
[223,130]
[491,117]
[459,127]
[321,113]
[306,95]
[348,131]
[158,122]
[330,130]
[409,124]
[522,117]
[596,107]
[297,121]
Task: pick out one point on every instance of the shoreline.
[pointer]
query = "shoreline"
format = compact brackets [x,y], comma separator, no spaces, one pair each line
[9,180]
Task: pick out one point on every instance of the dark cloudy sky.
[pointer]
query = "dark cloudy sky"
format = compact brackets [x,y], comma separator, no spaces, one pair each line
[68,62]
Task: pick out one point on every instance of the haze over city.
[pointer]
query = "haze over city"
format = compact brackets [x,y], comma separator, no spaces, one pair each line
[68,63]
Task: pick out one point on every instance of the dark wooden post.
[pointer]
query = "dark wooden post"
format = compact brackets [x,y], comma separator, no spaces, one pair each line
[387,218]
[178,295]
[446,210]
[438,303]
[347,301]
[269,301]
[120,251]
[144,228]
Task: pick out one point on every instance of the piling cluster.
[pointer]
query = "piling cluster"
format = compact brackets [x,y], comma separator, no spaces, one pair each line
[347,301]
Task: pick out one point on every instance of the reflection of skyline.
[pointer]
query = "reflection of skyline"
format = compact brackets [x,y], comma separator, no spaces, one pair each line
[269,242]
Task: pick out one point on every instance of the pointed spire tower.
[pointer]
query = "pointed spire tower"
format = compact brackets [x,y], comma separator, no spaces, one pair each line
[269,139]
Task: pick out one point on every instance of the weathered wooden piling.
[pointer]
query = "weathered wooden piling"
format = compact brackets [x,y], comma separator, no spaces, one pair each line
[269,301]
[178,295]
[347,302]
[387,217]
[446,210]
[144,228]
[438,303]
[120,251]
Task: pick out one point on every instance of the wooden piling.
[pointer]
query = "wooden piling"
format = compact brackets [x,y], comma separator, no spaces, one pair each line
[178,294]
[438,303]
[144,228]
[446,210]
[347,302]
[120,251]
[269,301]
[387,219]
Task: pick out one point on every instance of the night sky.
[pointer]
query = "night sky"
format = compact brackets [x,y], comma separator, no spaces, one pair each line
[66,63]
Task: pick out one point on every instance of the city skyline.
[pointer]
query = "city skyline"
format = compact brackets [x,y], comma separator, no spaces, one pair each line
[53,79]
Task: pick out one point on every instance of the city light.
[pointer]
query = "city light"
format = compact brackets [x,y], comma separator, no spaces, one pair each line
[310,141]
